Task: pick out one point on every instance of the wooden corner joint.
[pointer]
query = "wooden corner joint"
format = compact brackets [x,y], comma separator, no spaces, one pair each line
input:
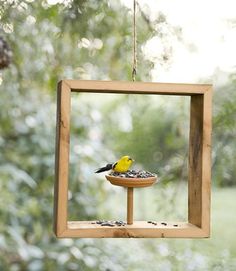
[205,233]
[60,233]
[210,88]
[66,83]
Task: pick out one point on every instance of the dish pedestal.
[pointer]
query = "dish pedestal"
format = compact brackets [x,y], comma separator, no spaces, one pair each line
[130,184]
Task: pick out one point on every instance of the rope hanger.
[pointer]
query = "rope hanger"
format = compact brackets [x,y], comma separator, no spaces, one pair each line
[134,70]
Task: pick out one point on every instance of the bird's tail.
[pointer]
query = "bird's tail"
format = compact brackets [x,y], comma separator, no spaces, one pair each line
[101,169]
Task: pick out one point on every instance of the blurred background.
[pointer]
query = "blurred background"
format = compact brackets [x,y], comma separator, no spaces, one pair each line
[42,42]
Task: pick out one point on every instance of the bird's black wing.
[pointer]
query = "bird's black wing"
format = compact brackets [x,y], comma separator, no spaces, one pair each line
[101,169]
[114,165]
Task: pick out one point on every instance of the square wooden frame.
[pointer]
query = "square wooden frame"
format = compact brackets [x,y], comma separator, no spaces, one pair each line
[199,180]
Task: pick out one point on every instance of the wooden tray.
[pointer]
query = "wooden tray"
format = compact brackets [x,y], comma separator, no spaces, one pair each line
[131,182]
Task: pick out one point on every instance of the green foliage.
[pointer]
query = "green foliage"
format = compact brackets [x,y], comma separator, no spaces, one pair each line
[49,43]
[224,131]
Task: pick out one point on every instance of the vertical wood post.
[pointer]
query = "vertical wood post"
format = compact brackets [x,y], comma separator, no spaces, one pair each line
[130,205]
[195,161]
[62,157]
[199,182]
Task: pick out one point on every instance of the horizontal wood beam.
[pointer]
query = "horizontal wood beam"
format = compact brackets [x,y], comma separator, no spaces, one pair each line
[139,229]
[123,87]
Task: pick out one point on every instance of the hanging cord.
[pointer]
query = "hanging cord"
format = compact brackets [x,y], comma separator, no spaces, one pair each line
[134,71]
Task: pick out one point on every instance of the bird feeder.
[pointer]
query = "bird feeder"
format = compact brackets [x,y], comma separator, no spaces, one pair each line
[199,164]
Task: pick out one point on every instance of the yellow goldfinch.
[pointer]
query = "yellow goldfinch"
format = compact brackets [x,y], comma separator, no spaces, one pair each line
[121,165]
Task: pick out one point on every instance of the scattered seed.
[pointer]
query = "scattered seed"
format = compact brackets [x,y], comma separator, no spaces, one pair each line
[164,223]
[100,221]
[107,224]
[175,225]
[120,223]
[152,222]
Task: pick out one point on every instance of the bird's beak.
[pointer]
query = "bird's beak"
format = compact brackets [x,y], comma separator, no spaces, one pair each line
[131,159]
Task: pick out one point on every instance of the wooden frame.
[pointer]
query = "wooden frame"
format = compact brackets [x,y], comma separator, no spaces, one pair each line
[198,224]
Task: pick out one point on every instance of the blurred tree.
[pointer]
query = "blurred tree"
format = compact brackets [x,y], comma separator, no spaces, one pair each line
[52,40]
[224,131]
